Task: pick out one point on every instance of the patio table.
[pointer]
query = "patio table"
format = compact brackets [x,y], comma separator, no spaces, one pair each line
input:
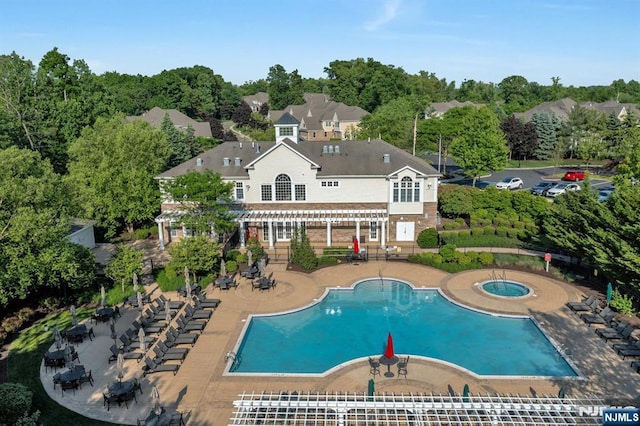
[121,388]
[164,419]
[389,362]
[105,313]
[133,300]
[224,283]
[182,291]
[73,374]
[56,355]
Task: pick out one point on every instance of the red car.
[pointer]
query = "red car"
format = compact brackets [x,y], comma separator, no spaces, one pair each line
[574,175]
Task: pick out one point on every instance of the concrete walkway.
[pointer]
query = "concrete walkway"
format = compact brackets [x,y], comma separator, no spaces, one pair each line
[203,391]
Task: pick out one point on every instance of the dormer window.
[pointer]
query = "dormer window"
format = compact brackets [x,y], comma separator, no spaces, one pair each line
[286,131]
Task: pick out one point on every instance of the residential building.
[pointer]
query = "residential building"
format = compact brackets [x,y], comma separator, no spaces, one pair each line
[155,116]
[562,109]
[437,109]
[256,101]
[336,191]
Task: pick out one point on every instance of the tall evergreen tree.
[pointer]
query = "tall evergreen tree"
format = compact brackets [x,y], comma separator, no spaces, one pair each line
[547,128]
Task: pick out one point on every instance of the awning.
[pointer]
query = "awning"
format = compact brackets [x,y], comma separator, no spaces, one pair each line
[311,216]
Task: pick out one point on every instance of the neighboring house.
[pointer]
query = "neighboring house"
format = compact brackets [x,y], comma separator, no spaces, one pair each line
[82,233]
[322,119]
[437,109]
[335,191]
[155,116]
[256,101]
[563,107]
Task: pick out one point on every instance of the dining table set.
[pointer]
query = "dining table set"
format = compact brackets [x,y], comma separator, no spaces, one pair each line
[225,282]
[78,333]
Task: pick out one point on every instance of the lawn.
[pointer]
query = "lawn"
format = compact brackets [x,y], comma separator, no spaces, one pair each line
[25,358]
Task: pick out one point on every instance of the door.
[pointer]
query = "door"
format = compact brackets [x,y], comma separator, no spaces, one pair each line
[405,231]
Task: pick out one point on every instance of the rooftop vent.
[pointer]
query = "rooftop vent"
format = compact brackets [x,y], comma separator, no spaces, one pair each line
[386,158]
[236,161]
[198,162]
[225,161]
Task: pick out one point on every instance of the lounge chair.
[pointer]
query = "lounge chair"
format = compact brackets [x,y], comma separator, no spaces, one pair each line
[629,352]
[603,317]
[202,302]
[162,357]
[583,306]
[175,338]
[608,334]
[626,345]
[177,304]
[193,325]
[192,313]
[167,350]
[636,366]
[152,367]
[126,355]
[148,327]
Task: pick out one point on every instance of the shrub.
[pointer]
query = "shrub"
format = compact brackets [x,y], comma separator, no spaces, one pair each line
[449,237]
[11,324]
[622,303]
[15,402]
[328,260]
[231,266]
[477,231]
[448,252]
[463,258]
[501,231]
[25,314]
[459,220]
[501,221]
[336,251]
[464,234]
[142,233]
[485,258]
[302,253]
[428,238]
[489,230]
[256,248]
[232,255]
[242,258]
[513,233]
[451,225]
[52,303]
[519,224]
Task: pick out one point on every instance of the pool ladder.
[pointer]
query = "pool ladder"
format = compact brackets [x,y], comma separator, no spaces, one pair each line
[235,360]
[496,278]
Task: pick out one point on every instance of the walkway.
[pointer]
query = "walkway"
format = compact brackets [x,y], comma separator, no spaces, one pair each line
[203,391]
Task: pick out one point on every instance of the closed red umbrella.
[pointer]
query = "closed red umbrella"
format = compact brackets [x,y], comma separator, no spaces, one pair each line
[388,352]
[356,245]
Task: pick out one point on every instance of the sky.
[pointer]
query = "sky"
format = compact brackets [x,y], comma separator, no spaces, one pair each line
[584,42]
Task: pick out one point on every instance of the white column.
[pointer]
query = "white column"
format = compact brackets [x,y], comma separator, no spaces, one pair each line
[270,234]
[242,234]
[383,233]
[358,230]
[161,234]
[328,233]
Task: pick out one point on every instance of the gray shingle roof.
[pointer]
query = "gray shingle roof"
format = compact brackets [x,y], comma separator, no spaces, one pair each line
[355,158]
[286,119]
[181,121]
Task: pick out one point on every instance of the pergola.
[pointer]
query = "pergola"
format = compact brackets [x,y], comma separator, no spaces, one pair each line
[343,409]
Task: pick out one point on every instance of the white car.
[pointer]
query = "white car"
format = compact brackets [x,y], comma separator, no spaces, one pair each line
[510,183]
[561,188]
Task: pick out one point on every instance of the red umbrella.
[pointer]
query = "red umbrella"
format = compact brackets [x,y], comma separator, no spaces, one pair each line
[356,245]
[388,352]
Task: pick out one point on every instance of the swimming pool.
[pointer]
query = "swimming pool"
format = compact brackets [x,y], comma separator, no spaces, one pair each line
[352,323]
[506,288]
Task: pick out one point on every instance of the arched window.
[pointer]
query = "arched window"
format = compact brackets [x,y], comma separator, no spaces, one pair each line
[406,190]
[283,188]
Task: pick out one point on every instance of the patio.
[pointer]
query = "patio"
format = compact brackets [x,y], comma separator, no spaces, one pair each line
[205,394]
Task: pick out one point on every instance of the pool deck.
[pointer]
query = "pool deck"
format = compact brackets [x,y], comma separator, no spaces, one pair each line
[205,394]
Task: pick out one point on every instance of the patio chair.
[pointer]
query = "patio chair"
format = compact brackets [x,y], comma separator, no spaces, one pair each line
[131,395]
[588,305]
[374,367]
[126,355]
[87,377]
[176,420]
[166,350]
[153,367]
[133,337]
[69,385]
[629,352]
[607,334]
[107,400]
[56,380]
[177,304]
[204,302]
[192,313]
[603,317]
[136,385]
[193,325]
[402,366]
[162,357]
[175,338]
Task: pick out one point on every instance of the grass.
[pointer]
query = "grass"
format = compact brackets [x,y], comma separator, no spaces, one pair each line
[515,164]
[25,358]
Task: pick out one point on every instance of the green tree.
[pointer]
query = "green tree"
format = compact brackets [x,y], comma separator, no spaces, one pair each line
[521,138]
[547,127]
[392,122]
[302,253]
[35,218]
[126,261]
[278,81]
[200,254]
[205,198]
[515,92]
[112,168]
[480,147]
[455,200]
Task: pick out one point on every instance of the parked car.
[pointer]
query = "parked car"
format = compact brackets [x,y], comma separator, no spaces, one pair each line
[541,187]
[510,183]
[605,194]
[574,175]
[561,188]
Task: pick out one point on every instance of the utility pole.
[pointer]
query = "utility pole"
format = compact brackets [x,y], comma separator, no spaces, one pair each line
[439,151]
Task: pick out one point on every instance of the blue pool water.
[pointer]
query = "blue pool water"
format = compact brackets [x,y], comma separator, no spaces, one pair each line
[353,323]
[505,288]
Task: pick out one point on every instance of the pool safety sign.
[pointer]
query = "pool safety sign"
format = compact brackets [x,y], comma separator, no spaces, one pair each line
[621,417]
